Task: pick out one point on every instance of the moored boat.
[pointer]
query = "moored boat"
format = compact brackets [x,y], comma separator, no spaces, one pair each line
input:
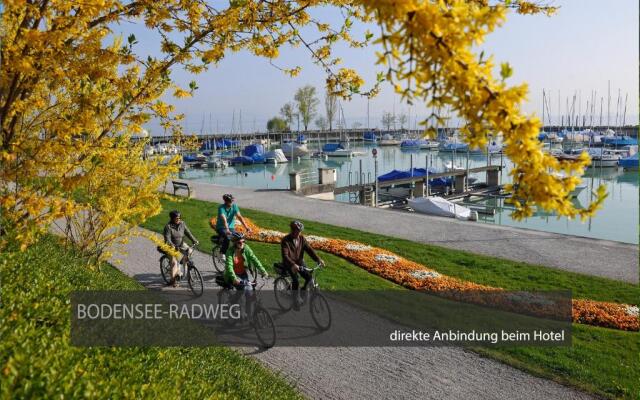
[441,207]
[451,147]
[630,163]
[388,140]
[295,149]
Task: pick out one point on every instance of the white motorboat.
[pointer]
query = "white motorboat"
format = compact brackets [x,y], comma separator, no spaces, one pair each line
[295,149]
[429,145]
[275,156]
[388,140]
[340,153]
[441,207]
[604,158]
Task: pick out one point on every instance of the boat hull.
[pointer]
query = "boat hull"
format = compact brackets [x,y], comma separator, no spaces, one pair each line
[440,207]
[297,150]
[340,153]
[605,163]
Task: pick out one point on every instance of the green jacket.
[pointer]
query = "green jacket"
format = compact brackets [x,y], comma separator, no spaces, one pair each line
[250,261]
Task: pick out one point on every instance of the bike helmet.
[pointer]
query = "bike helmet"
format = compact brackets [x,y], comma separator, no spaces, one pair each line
[297,225]
[174,214]
[236,236]
[227,197]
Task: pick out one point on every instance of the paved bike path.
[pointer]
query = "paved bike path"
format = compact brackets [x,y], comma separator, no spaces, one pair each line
[369,372]
[597,257]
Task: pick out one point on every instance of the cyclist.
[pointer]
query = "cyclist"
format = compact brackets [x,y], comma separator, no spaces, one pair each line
[174,232]
[239,259]
[226,221]
[293,246]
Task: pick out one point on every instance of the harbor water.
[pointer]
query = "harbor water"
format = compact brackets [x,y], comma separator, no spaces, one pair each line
[617,220]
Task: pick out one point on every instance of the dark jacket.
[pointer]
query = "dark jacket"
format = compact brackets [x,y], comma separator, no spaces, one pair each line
[174,234]
[293,254]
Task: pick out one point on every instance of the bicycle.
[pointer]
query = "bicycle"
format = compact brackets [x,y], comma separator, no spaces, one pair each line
[194,278]
[318,304]
[257,316]
[216,255]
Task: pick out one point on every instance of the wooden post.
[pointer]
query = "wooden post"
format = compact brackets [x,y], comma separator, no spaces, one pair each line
[418,190]
[460,183]
[492,177]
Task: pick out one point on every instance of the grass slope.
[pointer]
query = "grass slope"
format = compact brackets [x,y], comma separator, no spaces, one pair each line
[602,361]
[38,361]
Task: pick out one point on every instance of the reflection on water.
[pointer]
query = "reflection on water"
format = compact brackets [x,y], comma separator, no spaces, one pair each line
[617,220]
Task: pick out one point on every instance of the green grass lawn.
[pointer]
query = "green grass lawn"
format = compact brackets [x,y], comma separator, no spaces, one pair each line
[38,361]
[602,361]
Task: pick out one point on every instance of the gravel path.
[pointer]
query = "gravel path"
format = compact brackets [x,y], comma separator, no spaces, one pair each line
[365,372]
[603,258]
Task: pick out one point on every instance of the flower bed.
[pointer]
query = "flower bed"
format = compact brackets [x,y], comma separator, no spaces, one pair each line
[415,276]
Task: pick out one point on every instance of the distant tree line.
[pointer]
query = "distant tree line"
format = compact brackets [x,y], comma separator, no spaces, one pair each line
[303,109]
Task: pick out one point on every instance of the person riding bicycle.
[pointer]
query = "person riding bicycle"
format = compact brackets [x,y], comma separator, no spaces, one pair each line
[240,258]
[293,246]
[174,232]
[226,221]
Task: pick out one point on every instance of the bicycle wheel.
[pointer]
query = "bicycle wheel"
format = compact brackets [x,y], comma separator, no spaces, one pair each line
[165,269]
[283,294]
[264,327]
[225,296]
[320,311]
[195,281]
[216,258]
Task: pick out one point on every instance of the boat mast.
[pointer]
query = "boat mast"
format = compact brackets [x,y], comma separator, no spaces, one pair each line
[624,113]
[368,99]
[615,123]
[559,114]
[608,102]
[543,105]
[601,101]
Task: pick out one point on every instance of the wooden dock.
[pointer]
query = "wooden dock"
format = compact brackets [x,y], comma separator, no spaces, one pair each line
[421,179]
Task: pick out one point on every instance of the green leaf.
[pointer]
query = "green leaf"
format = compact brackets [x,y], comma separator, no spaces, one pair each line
[505,70]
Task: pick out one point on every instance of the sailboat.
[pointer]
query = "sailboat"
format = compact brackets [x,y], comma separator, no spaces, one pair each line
[293,149]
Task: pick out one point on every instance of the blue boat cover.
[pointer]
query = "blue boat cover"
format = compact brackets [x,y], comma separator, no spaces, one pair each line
[370,136]
[252,149]
[629,162]
[301,138]
[455,146]
[620,141]
[396,174]
[244,160]
[411,143]
[331,147]
[189,158]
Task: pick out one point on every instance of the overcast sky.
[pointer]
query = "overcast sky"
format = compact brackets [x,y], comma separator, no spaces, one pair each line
[585,45]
